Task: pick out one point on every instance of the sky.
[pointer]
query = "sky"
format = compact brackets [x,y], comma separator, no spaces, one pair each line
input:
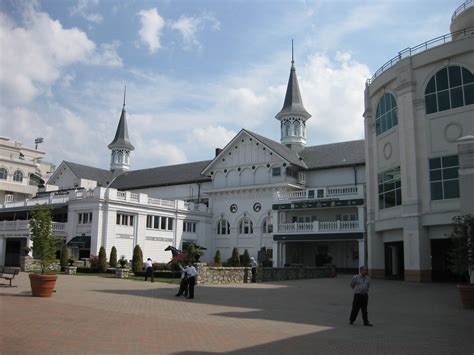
[196,71]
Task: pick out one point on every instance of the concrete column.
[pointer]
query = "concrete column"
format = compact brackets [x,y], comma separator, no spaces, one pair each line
[361,243]
[2,251]
[361,217]
[417,251]
[276,254]
[283,254]
[466,174]
[375,252]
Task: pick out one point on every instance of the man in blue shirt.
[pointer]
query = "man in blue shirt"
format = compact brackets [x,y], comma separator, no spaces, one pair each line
[360,283]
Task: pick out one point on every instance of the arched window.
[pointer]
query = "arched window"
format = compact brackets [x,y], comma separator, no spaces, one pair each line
[3,174]
[223,227]
[268,225]
[386,115]
[245,226]
[120,157]
[18,176]
[296,128]
[449,88]
[287,128]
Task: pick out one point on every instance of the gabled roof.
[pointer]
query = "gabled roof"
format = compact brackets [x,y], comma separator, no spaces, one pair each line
[162,176]
[103,177]
[334,155]
[121,139]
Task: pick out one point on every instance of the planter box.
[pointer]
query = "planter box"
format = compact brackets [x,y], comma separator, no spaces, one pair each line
[70,270]
[121,273]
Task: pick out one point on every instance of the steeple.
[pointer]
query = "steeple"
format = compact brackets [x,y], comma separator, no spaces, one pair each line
[293,115]
[121,146]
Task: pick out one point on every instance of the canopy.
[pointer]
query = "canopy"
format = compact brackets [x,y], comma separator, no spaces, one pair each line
[82,242]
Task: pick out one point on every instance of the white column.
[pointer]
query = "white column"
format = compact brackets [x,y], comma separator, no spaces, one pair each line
[276,254]
[361,252]
[361,217]
[2,250]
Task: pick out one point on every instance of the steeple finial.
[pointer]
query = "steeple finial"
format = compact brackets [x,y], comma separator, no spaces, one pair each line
[292,54]
[124,94]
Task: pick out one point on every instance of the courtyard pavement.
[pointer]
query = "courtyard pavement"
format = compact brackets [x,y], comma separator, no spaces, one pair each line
[92,315]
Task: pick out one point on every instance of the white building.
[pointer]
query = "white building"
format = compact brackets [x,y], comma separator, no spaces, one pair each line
[419,123]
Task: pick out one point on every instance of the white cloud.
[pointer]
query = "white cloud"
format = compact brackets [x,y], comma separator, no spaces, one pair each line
[151,25]
[189,26]
[34,54]
[81,9]
[166,154]
[211,136]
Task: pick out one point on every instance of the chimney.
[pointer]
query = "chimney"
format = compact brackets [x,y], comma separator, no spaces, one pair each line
[218,151]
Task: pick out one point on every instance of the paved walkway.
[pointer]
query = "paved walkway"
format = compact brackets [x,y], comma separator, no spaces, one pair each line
[92,315]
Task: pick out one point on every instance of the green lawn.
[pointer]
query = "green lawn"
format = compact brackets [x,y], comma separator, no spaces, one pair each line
[133,277]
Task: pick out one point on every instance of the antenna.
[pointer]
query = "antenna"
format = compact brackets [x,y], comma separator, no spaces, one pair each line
[292,54]
[124,94]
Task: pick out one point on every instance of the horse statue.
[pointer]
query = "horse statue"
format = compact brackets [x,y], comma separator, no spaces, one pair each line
[174,251]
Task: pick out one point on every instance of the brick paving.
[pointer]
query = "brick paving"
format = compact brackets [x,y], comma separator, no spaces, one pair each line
[92,315]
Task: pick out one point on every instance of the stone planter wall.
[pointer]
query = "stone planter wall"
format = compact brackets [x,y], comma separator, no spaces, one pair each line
[70,270]
[27,263]
[208,275]
[121,273]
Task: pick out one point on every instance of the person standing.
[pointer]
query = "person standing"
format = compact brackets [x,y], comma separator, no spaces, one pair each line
[192,274]
[360,283]
[183,285]
[149,269]
[254,265]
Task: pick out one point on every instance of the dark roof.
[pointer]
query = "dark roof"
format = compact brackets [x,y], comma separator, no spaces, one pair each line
[162,176]
[335,154]
[293,103]
[121,135]
[280,149]
[102,176]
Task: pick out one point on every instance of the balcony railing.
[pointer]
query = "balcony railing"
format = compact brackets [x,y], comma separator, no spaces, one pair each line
[465,5]
[24,225]
[321,227]
[343,191]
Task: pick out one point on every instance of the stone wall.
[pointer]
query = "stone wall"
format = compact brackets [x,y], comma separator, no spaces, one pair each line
[208,275]
[27,263]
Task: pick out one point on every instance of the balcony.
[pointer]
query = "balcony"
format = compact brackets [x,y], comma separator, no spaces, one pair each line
[23,226]
[329,192]
[321,227]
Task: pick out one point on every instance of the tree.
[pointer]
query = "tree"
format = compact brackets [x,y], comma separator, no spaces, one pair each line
[461,255]
[44,243]
[64,256]
[113,257]
[246,258]
[217,258]
[191,253]
[137,260]
[235,258]
[102,260]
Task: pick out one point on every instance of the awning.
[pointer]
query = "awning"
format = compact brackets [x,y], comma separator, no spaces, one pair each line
[82,242]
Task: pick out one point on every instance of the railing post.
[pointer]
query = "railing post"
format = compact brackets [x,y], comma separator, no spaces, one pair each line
[338,224]
[316,226]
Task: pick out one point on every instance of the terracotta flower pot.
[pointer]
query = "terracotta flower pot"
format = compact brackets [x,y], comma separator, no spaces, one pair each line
[42,285]
[466,291]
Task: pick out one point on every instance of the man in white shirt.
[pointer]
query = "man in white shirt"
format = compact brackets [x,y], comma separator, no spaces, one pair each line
[191,273]
[254,265]
[149,269]
[183,286]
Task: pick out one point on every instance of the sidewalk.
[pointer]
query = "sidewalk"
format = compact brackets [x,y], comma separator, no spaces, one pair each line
[92,315]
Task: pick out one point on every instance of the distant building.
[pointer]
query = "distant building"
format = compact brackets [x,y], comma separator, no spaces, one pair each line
[419,128]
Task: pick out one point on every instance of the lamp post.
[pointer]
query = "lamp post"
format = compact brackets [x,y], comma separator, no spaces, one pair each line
[38,141]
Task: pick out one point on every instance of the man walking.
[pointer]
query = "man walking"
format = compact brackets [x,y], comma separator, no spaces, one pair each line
[254,265]
[183,286]
[149,269]
[360,283]
[192,273]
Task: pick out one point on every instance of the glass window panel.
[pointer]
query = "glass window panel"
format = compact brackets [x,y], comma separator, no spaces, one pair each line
[398,184]
[450,173]
[380,178]
[383,122]
[451,189]
[431,87]
[170,224]
[377,127]
[435,175]
[395,118]
[380,188]
[436,191]
[381,202]
[398,197]
[442,79]
[454,76]
[469,94]
[390,199]
[163,223]
[456,97]
[382,105]
[389,186]
[467,76]
[393,102]
[451,160]
[443,100]
[435,163]
[377,114]
[430,102]
[156,223]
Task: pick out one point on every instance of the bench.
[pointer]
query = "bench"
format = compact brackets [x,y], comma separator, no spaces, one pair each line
[9,273]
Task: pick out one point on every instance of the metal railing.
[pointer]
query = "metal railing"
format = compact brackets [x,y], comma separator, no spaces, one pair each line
[408,52]
[467,4]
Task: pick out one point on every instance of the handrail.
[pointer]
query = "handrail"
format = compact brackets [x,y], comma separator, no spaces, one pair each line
[466,4]
[408,52]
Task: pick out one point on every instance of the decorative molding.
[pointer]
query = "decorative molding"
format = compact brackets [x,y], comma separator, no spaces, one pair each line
[452,132]
[387,150]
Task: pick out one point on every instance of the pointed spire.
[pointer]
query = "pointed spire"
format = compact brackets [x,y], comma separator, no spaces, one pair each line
[121,139]
[293,104]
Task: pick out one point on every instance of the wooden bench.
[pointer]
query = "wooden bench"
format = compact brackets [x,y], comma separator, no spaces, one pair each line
[9,273]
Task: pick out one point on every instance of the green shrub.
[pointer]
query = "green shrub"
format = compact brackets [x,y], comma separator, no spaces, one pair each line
[235,258]
[217,258]
[113,257]
[137,260]
[102,260]
[44,243]
[64,256]
[161,266]
[246,258]
[461,255]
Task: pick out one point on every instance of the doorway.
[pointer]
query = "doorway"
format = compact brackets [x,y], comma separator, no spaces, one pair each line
[13,252]
[394,261]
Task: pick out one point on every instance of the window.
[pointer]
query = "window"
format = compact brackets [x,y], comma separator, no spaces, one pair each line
[149,222]
[3,174]
[276,171]
[84,218]
[320,193]
[390,189]
[444,179]
[125,219]
[189,227]
[159,222]
[449,88]
[245,226]
[18,176]
[223,227]
[268,225]
[292,172]
[386,115]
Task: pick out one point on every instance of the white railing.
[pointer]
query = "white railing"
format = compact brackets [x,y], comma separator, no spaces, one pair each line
[160,202]
[321,227]
[341,191]
[24,225]
[121,195]
[345,191]
[134,197]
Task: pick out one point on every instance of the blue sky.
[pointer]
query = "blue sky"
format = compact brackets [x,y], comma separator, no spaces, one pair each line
[196,71]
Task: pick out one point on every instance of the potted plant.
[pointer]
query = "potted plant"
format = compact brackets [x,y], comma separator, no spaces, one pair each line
[44,250]
[461,257]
